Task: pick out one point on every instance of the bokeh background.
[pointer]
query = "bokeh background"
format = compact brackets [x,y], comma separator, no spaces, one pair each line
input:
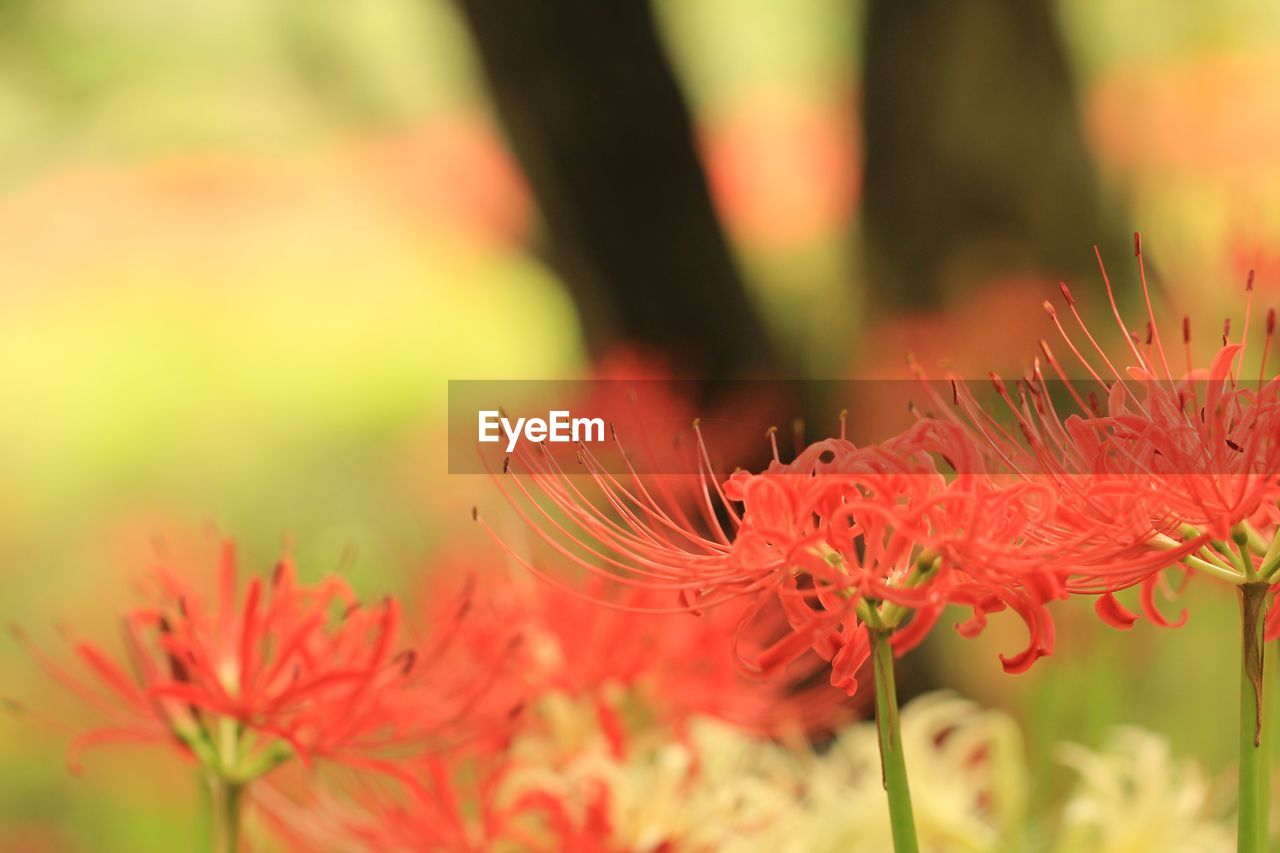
[244,245]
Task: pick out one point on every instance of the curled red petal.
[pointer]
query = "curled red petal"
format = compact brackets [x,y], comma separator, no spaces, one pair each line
[1022,661]
[787,650]
[1040,626]
[913,633]
[1111,611]
[972,626]
[982,605]
[1149,609]
[847,662]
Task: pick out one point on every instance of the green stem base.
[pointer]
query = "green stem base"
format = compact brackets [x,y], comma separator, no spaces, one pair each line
[225,802]
[892,760]
[1253,826]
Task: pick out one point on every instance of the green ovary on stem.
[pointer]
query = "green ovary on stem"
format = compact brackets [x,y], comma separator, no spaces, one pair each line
[1254,767]
[892,761]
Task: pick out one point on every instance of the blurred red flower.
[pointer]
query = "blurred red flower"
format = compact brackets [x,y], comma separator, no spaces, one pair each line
[442,811]
[244,682]
[613,646]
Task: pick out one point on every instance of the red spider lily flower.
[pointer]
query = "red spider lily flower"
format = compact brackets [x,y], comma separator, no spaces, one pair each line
[623,657]
[884,525]
[842,539]
[1153,465]
[242,683]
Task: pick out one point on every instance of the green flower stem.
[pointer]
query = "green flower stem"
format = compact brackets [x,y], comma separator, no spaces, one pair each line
[1268,747]
[892,761]
[226,786]
[1254,770]
[224,804]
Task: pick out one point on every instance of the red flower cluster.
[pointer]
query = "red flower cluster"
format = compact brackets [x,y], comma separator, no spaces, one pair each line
[1139,469]
[245,679]
[592,641]
[842,538]
[1153,466]
[589,680]
[244,682]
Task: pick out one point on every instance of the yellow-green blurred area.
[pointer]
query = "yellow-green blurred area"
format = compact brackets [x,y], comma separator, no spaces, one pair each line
[244,245]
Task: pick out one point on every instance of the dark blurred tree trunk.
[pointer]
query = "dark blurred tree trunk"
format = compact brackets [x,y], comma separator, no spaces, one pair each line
[597,121]
[975,160]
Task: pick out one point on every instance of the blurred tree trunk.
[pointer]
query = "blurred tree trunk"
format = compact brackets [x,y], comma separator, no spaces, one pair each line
[975,160]
[596,119]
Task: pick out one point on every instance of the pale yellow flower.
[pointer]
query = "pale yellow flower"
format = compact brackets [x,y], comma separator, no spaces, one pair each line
[968,783]
[1135,797]
[718,788]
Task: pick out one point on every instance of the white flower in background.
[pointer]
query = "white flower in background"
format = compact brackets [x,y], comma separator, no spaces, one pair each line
[716,789]
[968,783]
[1134,797]
[722,790]
[719,788]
